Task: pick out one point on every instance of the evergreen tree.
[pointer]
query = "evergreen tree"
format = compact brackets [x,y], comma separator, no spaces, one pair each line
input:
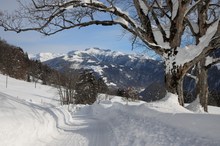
[86,88]
[102,87]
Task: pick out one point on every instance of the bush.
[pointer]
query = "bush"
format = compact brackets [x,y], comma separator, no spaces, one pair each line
[129,94]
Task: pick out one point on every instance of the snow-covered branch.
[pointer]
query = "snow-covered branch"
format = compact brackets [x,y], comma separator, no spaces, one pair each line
[192,76]
[210,61]
[192,7]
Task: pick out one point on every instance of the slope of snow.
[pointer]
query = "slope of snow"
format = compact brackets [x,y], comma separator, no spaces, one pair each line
[135,124]
[32,116]
[22,121]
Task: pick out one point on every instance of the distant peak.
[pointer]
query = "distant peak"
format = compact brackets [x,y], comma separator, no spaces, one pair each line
[45,56]
[95,50]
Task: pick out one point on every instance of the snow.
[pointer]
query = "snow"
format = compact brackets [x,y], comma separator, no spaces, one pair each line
[98,69]
[22,121]
[111,84]
[209,60]
[122,21]
[42,57]
[126,14]
[195,106]
[93,51]
[90,1]
[166,28]
[169,104]
[90,61]
[195,26]
[137,124]
[143,7]
[32,116]
[159,39]
[218,66]
[191,6]
[188,53]
[175,8]
[76,58]
[76,66]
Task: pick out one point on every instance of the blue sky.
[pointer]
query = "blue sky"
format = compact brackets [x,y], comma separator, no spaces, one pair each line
[73,39]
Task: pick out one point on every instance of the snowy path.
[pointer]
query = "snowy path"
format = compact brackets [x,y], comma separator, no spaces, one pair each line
[33,117]
[50,125]
[84,130]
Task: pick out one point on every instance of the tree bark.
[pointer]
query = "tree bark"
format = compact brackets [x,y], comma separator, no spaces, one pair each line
[180,91]
[202,85]
[174,84]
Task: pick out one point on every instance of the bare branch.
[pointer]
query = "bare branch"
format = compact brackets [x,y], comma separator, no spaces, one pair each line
[133,42]
[144,18]
[159,26]
[191,8]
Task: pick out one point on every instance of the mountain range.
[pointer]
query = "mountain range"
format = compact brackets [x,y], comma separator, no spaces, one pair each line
[120,70]
[116,68]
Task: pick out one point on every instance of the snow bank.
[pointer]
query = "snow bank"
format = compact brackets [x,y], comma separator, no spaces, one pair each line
[31,116]
[22,123]
[169,104]
[195,106]
[160,123]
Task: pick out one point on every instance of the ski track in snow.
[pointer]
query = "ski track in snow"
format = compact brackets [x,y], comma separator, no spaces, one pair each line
[33,117]
[85,130]
[81,130]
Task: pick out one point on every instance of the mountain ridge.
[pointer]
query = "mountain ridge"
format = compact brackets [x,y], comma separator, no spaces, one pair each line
[116,68]
[121,70]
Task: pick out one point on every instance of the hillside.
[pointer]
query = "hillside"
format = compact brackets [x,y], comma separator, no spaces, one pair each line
[33,116]
[15,63]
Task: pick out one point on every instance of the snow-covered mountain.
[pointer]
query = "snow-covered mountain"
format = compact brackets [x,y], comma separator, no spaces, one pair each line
[119,69]
[116,68]
[42,57]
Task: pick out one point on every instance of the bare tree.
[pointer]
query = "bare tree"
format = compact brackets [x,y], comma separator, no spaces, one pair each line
[66,84]
[204,12]
[158,24]
[202,90]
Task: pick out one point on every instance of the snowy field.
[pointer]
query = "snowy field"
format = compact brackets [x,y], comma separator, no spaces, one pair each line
[32,116]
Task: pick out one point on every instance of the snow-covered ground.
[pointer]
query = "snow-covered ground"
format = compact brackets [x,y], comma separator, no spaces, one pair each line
[32,116]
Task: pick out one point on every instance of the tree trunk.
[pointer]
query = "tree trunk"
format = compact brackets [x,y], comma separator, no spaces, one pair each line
[180,91]
[174,75]
[174,84]
[202,84]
